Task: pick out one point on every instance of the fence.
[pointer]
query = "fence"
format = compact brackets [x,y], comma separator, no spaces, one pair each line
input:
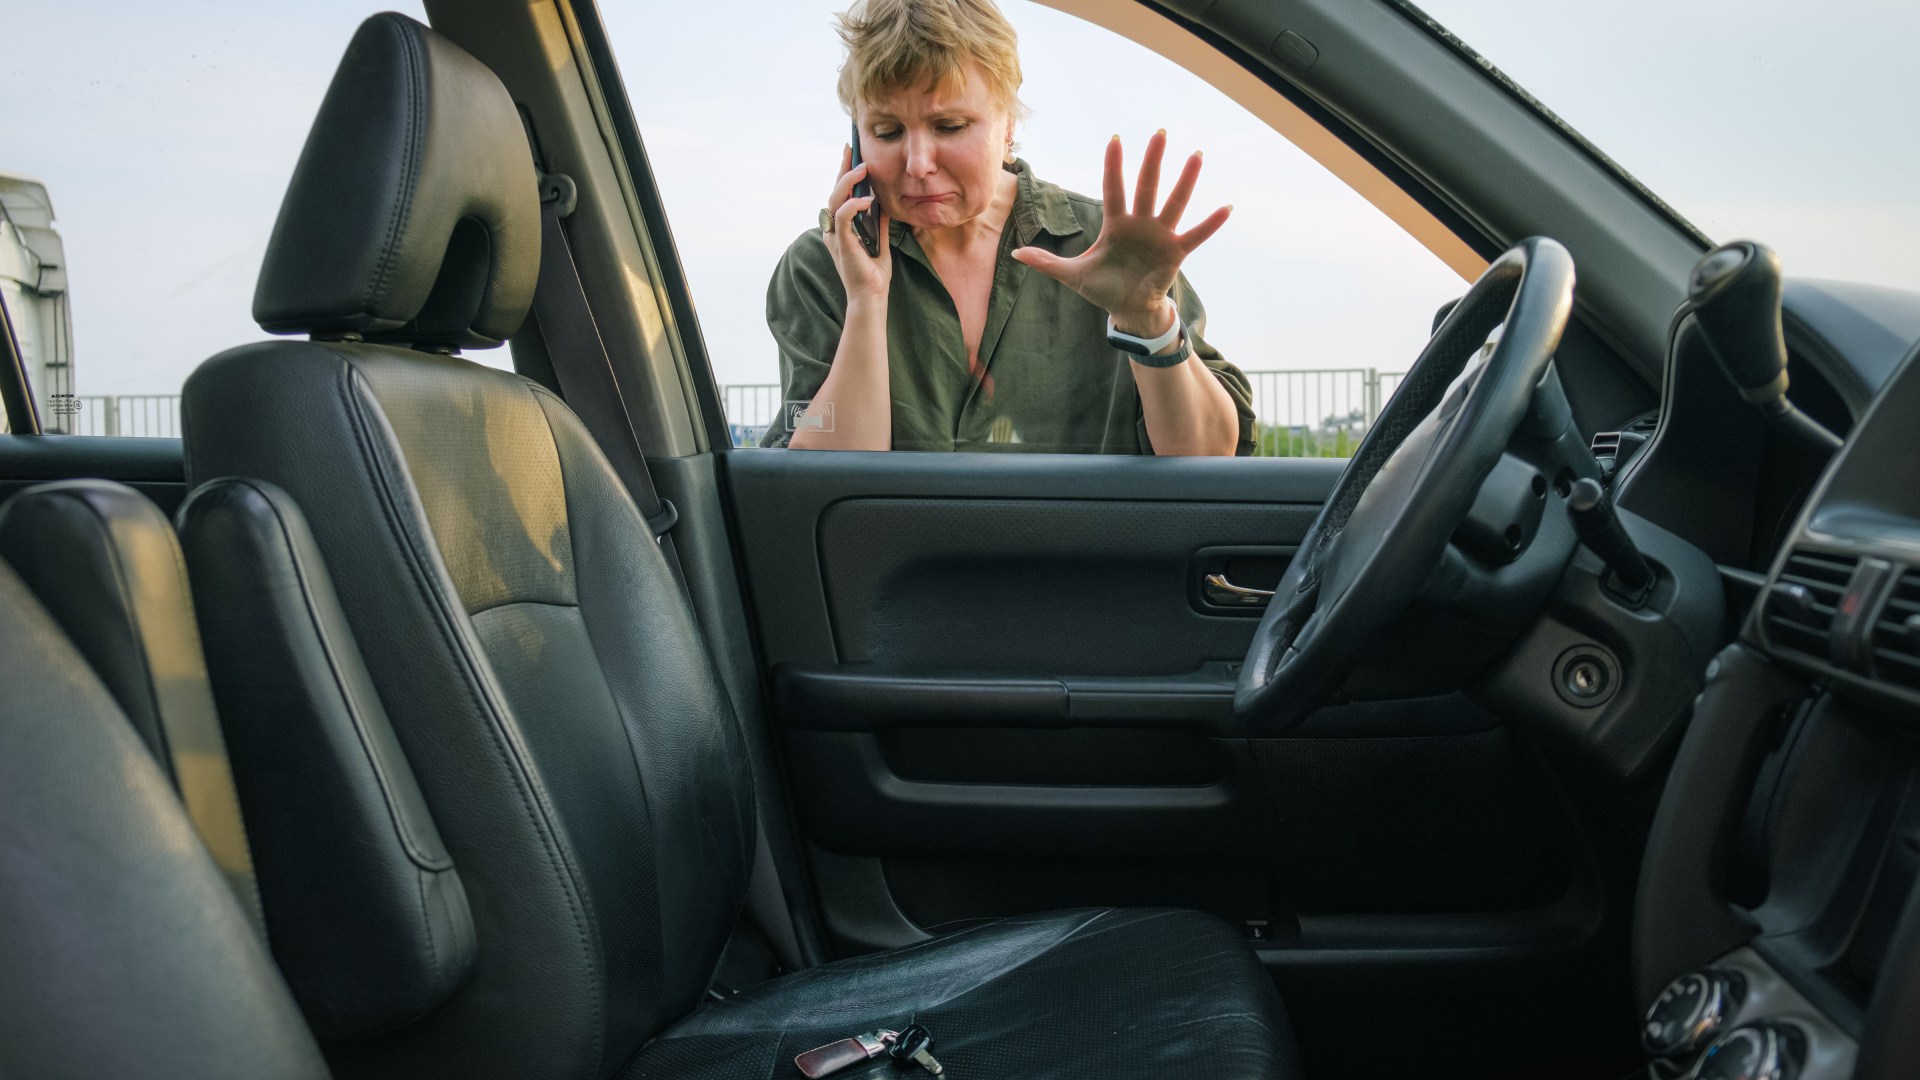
[149,415]
[1297,413]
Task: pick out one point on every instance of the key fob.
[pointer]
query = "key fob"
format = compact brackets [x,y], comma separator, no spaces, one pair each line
[912,1039]
[831,1058]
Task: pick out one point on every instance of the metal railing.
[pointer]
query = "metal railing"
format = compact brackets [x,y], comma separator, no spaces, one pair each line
[1297,413]
[142,415]
[1320,413]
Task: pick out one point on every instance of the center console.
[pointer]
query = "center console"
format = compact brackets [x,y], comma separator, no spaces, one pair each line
[1777,928]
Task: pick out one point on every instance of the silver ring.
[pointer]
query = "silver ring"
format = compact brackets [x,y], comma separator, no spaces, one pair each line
[826,221]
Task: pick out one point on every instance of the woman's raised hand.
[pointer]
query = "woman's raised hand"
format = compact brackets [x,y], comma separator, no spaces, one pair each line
[1132,265]
[864,276]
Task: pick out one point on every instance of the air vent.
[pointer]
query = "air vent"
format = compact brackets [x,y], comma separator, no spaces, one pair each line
[1612,448]
[1896,634]
[1802,603]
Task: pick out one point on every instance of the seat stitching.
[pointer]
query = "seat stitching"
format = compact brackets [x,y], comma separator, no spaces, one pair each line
[229,792]
[410,175]
[477,612]
[355,712]
[426,922]
[538,814]
[626,722]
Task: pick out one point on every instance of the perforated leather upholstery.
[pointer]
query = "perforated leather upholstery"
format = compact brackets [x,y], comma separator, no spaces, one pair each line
[122,952]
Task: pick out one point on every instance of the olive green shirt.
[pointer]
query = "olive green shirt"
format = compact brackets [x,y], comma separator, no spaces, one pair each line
[1047,380]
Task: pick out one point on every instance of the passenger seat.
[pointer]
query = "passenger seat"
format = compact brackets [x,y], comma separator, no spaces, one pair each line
[545,678]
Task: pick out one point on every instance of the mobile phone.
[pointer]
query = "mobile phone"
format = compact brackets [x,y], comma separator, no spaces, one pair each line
[863,220]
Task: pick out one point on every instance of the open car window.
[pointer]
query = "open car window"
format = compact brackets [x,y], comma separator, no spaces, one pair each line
[1313,294]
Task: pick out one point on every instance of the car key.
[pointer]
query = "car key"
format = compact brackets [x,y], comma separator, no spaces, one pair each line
[915,1043]
[831,1058]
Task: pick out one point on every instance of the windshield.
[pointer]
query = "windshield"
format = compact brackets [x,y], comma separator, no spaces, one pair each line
[1787,123]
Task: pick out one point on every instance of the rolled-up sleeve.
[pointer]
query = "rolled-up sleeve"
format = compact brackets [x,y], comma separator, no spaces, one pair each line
[806,308]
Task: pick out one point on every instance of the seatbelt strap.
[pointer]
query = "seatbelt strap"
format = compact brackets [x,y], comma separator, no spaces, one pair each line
[582,367]
[585,373]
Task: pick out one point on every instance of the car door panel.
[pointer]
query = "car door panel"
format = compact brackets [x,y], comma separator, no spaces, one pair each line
[152,467]
[996,692]
[1099,587]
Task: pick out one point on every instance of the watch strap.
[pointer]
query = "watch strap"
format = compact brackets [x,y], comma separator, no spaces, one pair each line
[1140,346]
[1172,359]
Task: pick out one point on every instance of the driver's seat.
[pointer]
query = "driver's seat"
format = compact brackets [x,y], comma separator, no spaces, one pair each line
[544,675]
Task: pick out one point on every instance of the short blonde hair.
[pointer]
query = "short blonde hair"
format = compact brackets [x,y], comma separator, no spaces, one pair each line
[896,43]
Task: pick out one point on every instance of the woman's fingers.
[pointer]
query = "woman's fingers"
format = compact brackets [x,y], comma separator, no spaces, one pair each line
[1198,235]
[1146,189]
[1045,261]
[843,188]
[1113,185]
[1181,193]
[843,214]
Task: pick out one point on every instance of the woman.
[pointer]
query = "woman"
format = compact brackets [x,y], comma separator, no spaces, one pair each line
[1001,312]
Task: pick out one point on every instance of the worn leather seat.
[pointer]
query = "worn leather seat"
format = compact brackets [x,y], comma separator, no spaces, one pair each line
[1127,992]
[546,681]
[104,562]
[122,950]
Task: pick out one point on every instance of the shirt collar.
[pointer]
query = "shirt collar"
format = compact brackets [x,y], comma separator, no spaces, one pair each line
[1037,206]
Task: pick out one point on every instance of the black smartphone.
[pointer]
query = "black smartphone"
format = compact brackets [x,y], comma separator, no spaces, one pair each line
[863,220]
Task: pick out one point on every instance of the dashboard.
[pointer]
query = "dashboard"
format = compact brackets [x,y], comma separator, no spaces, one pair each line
[1777,927]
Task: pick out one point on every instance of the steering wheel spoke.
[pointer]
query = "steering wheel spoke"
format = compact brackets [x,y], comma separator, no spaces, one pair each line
[1411,482]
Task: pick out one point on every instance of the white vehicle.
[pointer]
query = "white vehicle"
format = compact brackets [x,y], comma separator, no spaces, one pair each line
[33,292]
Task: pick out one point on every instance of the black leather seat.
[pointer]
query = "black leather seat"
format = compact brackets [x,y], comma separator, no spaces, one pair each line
[368,917]
[545,678]
[104,561]
[122,950]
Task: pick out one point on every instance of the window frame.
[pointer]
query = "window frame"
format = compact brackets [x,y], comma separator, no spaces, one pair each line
[16,393]
[1316,130]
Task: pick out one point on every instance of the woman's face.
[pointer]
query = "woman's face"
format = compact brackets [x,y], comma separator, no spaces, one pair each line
[934,155]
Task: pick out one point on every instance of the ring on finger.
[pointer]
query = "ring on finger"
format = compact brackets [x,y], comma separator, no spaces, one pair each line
[826,221]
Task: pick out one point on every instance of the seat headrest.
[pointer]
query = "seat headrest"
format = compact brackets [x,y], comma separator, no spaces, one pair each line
[414,213]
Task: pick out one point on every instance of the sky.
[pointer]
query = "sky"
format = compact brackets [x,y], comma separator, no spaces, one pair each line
[166,134]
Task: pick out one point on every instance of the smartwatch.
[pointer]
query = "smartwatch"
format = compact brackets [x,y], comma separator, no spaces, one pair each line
[1143,349]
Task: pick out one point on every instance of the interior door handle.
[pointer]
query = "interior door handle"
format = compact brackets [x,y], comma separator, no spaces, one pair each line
[1221,591]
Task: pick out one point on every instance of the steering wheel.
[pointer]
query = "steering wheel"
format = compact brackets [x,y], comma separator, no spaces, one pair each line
[1409,485]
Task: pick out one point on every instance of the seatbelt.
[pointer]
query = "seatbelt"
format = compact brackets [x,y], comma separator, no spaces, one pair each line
[583,369]
[585,373]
